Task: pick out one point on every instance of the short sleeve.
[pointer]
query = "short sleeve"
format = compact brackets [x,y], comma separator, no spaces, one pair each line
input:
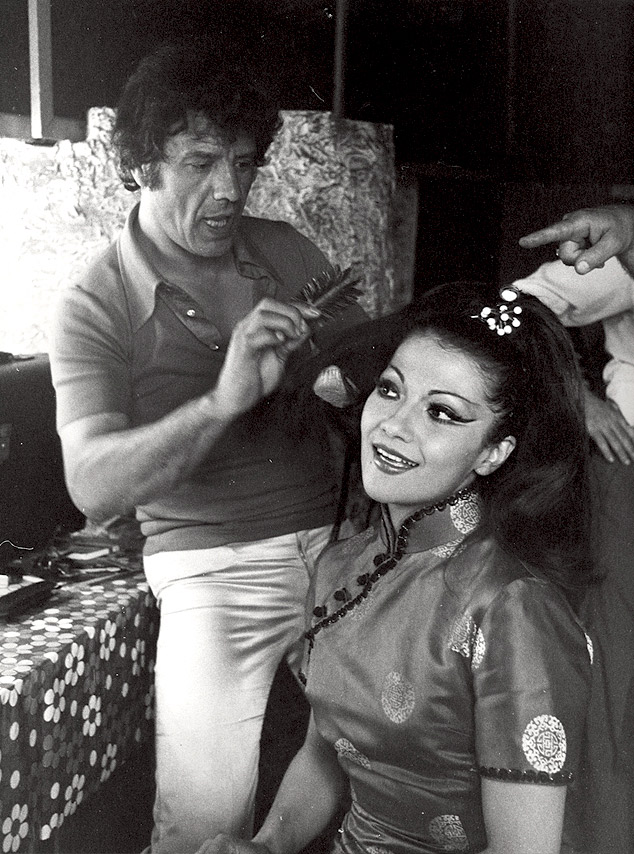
[88,359]
[313,258]
[531,678]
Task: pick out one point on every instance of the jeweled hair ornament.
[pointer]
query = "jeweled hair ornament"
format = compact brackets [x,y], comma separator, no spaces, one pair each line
[502,318]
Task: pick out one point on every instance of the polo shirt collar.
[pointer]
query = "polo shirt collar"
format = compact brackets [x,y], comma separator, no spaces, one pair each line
[140,279]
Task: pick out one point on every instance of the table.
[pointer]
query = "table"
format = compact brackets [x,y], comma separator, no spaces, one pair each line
[76,698]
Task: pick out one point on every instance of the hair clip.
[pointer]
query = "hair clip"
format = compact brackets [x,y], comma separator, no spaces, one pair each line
[502,318]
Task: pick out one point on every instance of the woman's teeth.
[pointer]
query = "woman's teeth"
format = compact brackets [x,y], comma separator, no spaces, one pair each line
[393,460]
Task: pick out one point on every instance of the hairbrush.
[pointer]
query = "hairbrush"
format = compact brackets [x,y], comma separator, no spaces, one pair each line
[331,291]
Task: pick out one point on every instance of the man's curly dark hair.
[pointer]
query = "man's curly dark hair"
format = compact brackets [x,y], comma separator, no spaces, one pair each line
[176,81]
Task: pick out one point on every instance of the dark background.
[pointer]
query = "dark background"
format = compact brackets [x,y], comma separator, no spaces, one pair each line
[506,112]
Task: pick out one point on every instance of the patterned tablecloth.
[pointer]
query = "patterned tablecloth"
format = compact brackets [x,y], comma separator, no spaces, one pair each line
[76,696]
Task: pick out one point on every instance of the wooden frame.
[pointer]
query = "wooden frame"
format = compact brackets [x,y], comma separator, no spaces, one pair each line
[43,126]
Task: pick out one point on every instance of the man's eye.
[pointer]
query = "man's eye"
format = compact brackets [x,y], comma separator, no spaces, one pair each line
[385,388]
[199,166]
[243,165]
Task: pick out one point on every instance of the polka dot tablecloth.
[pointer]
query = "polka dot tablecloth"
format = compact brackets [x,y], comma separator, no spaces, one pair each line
[76,696]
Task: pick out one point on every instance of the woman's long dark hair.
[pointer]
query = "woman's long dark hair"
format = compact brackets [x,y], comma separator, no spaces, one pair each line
[537,503]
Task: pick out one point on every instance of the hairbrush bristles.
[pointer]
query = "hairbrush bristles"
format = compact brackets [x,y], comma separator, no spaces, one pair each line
[331,291]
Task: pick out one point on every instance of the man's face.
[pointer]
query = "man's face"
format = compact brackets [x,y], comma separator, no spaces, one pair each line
[200,189]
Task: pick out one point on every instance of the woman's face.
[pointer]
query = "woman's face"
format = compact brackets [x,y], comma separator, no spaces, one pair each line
[425,428]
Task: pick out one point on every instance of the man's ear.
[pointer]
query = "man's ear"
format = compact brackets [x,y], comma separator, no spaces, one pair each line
[494,456]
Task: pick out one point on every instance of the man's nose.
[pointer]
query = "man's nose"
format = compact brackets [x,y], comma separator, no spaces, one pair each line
[225,183]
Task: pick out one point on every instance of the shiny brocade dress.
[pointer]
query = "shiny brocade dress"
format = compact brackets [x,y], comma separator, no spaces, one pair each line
[430,669]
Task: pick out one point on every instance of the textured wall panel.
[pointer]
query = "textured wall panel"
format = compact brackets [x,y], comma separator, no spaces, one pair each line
[61,205]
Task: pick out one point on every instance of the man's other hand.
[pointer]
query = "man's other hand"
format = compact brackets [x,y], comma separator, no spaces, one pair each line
[587,238]
[608,428]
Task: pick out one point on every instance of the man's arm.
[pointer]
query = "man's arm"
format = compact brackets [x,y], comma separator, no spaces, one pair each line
[578,301]
[581,300]
[111,467]
[588,237]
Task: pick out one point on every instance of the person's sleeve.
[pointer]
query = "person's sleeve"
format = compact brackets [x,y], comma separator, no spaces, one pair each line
[531,675]
[88,358]
[581,300]
[313,259]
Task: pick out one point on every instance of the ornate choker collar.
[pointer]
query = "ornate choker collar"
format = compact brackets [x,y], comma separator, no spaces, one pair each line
[383,563]
[461,495]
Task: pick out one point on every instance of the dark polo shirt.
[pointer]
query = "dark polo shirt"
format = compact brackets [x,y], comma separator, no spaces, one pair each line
[125,341]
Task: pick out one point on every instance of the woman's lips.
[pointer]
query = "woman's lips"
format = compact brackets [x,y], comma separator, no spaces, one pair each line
[390,462]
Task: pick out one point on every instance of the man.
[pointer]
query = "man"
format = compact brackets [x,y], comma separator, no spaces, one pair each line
[604,295]
[597,283]
[165,356]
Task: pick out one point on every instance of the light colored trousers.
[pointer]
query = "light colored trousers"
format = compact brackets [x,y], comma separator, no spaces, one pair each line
[228,617]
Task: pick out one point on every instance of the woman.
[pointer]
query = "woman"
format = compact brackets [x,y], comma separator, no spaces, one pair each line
[446,670]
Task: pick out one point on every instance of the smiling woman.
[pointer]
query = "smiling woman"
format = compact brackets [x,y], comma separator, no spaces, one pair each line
[426,435]
[446,670]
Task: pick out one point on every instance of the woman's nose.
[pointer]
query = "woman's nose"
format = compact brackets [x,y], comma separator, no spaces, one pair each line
[397,426]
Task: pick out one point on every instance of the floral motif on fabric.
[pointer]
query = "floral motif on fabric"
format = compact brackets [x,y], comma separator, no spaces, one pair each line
[479,648]
[347,750]
[461,636]
[445,550]
[468,641]
[447,831]
[371,849]
[397,698]
[466,514]
[590,646]
[544,743]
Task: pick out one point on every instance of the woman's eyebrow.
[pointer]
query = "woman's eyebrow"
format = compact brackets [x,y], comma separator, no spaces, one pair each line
[453,394]
[396,371]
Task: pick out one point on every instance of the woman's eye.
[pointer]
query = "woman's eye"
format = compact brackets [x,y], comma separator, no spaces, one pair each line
[385,388]
[244,165]
[443,413]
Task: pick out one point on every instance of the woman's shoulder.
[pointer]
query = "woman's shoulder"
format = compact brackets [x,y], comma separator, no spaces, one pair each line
[498,589]
[483,572]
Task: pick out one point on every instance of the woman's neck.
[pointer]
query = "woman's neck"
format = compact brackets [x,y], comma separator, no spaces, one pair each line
[436,524]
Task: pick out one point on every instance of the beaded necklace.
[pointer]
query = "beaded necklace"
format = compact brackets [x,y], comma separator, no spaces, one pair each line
[383,562]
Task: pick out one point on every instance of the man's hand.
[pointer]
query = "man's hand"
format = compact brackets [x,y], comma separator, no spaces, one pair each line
[587,238]
[258,350]
[223,844]
[608,428]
